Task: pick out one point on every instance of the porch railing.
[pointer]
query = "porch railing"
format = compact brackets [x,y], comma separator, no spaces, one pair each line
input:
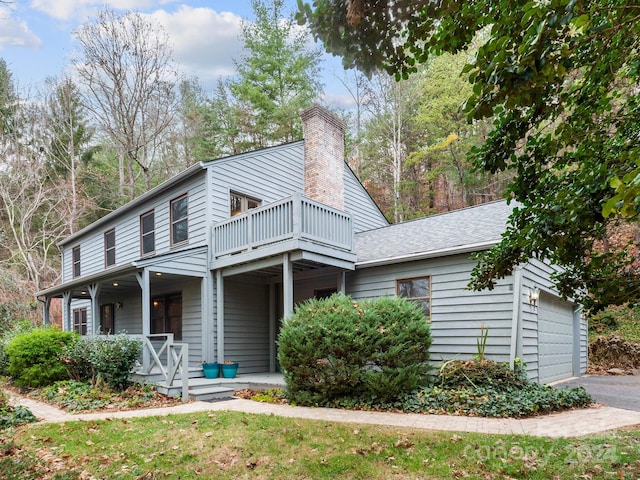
[296,217]
[177,359]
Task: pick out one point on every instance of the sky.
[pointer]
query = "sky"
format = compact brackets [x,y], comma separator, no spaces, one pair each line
[36,38]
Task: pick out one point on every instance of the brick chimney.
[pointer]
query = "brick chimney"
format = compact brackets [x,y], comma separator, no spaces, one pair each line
[323,156]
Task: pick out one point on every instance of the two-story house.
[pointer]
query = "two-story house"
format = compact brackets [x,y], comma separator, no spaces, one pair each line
[219,254]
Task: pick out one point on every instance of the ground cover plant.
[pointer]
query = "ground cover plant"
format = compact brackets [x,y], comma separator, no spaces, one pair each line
[230,445]
[11,415]
[622,321]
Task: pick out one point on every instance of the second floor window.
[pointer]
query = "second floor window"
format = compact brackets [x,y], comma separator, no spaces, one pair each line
[240,203]
[110,248]
[179,220]
[147,233]
[75,260]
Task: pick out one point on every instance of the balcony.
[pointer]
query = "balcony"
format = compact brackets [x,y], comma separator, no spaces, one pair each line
[294,223]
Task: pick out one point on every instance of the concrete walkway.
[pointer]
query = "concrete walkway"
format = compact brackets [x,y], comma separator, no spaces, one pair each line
[565,424]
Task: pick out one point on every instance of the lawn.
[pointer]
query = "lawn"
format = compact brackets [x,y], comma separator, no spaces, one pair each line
[226,445]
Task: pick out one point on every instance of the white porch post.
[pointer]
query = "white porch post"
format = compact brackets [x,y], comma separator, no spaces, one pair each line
[94,291]
[287,285]
[143,280]
[66,312]
[220,315]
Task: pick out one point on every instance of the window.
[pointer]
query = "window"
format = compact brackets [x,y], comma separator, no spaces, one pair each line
[416,289]
[80,321]
[147,233]
[166,315]
[107,318]
[322,293]
[179,220]
[110,248]
[240,203]
[75,255]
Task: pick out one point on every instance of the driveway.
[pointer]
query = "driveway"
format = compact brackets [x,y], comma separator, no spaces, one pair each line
[614,391]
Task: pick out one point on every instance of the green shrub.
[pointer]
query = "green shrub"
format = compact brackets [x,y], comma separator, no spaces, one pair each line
[335,348]
[107,358]
[19,327]
[620,320]
[484,373]
[114,357]
[34,357]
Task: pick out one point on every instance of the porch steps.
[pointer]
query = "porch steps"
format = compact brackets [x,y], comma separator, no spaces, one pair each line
[211,393]
[201,388]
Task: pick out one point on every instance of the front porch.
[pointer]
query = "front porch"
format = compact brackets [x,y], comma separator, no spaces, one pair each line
[166,365]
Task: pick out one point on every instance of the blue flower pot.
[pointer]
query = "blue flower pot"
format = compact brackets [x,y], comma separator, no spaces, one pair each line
[211,370]
[229,370]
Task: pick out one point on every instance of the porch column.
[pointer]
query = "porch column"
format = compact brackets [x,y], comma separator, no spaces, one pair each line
[143,280]
[46,311]
[272,327]
[287,285]
[207,327]
[66,312]
[342,282]
[220,315]
[94,291]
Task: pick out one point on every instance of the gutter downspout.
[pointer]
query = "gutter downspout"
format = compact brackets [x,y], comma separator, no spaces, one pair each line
[515,315]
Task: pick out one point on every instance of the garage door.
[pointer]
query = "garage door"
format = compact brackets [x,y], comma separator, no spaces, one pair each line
[555,338]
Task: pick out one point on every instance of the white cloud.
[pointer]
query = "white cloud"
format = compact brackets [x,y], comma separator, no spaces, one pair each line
[81,9]
[16,33]
[205,42]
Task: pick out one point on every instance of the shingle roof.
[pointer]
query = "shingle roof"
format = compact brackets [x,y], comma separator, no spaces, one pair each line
[438,234]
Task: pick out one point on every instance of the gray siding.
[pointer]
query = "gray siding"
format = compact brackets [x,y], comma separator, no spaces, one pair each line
[537,274]
[366,215]
[127,230]
[268,175]
[246,321]
[457,314]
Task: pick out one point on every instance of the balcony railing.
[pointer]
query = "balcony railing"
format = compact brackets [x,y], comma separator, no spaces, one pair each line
[296,217]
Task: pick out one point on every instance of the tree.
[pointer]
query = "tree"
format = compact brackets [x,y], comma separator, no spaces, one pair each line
[560,78]
[69,143]
[124,63]
[277,78]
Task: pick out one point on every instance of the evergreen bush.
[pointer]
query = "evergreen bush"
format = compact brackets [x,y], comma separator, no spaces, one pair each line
[107,358]
[34,357]
[336,348]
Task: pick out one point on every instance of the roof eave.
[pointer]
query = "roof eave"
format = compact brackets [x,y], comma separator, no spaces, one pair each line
[443,252]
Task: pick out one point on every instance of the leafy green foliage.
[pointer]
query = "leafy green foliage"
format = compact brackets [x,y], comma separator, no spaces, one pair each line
[11,416]
[77,396]
[106,358]
[480,388]
[486,401]
[558,78]
[623,321]
[19,327]
[336,348]
[34,357]
[458,374]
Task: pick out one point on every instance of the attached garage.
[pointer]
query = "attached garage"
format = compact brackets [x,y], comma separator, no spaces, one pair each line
[555,338]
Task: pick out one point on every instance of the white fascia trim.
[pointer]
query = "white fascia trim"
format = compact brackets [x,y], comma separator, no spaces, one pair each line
[473,247]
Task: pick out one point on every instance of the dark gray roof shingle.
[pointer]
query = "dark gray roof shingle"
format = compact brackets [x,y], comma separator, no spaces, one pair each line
[479,224]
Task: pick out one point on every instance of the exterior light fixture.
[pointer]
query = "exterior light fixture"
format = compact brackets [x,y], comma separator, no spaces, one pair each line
[534,296]
[158,274]
[118,305]
[115,284]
